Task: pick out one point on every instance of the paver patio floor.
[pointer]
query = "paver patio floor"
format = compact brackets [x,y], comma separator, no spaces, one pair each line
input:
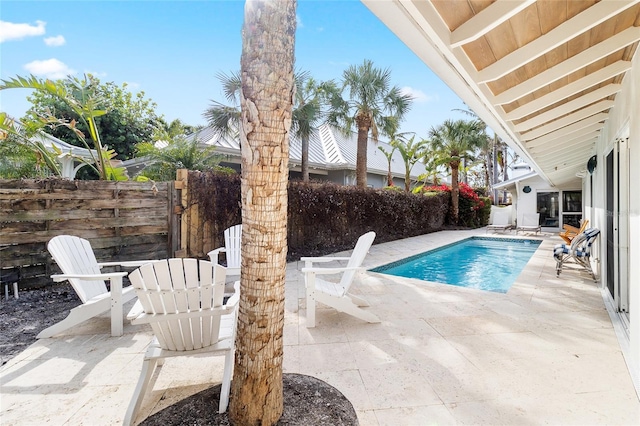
[543,353]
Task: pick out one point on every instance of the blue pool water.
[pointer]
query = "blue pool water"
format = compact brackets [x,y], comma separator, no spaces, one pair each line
[483,263]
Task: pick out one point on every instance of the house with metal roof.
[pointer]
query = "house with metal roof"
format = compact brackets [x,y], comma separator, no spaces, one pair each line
[332,157]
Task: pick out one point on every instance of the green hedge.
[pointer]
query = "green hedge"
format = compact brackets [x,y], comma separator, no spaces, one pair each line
[325,217]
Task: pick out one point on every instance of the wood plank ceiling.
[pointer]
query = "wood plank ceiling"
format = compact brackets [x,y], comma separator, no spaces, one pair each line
[544,73]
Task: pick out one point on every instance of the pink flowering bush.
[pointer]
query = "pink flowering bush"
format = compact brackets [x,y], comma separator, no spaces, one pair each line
[470,207]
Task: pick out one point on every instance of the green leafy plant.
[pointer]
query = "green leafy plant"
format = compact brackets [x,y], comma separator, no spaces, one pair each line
[82,98]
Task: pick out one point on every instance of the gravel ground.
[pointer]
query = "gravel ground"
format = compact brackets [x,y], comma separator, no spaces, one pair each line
[22,319]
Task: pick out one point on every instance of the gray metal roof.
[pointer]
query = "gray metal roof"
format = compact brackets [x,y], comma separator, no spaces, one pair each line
[329,149]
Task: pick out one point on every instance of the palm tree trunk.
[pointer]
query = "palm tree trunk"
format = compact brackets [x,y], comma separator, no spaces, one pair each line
[305,159]
[361,157]
[266,102]
[455,190]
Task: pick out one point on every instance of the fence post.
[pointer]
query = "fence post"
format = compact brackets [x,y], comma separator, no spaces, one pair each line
[182,184]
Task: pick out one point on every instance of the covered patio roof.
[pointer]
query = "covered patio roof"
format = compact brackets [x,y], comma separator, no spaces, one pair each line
[542,74]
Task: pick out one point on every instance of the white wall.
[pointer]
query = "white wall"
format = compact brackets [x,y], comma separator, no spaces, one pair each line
[626,111]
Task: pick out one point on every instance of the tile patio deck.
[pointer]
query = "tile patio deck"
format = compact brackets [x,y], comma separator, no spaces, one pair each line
[544,353]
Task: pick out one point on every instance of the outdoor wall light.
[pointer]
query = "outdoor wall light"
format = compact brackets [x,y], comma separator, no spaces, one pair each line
[591,164]
[526,189]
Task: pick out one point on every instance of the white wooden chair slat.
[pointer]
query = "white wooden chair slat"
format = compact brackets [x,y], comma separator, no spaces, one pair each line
[181,304]
[79,266]
[197,298]
[336,295]
[232,250]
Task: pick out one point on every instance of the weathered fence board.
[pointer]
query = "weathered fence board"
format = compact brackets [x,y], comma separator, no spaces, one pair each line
[123,221]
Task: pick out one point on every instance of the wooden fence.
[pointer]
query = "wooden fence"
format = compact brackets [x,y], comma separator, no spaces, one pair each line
[123,221]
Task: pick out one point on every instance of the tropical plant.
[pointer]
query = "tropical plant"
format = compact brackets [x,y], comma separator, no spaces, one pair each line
[20,161]
[267,97]
[179,153]
[166,131]
[411,151]
[22,154]
[373,107]
[128,118]
[82,98]
[389,156]
[451,142]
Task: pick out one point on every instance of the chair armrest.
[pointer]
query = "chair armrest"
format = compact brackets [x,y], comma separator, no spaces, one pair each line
[213,254]
[129,263]
[323,259]
[89,277]
[136,311]
[326,271]
[570,228]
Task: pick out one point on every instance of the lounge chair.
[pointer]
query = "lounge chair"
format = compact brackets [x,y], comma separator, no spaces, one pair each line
[231,249]
[530,223]
[182,300]
[79,266]
[578,252]
[501,222]
[569,232]
[336,295]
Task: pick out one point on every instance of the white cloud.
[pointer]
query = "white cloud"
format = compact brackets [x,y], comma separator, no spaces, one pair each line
[55,41]
[416,94]
[50,68]
[11,31]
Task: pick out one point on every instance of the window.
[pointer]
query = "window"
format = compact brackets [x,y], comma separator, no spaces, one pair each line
[549,208]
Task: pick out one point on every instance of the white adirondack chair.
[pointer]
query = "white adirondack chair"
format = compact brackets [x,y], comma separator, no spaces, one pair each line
[336,295]
[182,300]
[231,249]
[79,266]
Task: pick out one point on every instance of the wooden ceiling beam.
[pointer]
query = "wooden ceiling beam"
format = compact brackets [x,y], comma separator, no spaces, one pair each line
[565,108]
[489,18]
[576,62]
[576,134]
[564,32]
[568,130]
[571,147]
[579,85]
[564,121]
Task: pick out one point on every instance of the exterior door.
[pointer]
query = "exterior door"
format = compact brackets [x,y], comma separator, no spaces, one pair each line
[617,250]
[548,205]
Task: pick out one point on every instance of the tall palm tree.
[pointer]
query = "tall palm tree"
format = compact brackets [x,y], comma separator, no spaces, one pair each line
[308,104]
[225,119]
[308,111]
[452,141]
[373,106]
[266,105]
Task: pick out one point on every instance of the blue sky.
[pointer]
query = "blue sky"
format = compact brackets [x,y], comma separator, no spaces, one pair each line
[172,51]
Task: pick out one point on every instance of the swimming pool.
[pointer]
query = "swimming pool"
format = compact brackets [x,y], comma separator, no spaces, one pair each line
[483,263]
